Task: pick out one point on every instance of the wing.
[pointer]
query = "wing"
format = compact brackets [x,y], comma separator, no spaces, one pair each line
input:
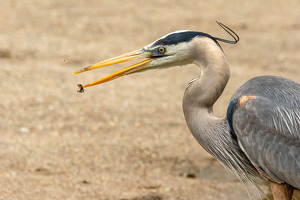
[264,114]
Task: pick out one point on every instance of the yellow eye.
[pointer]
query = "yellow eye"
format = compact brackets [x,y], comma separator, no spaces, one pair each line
[161,49]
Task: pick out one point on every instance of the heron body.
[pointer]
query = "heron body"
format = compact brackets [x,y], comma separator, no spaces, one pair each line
[273,143]
[260,136]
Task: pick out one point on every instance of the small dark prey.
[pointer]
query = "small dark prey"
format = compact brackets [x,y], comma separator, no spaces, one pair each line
[259,140]
[80,88]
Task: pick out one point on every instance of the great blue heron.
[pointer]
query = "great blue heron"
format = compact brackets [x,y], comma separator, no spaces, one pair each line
[260,137]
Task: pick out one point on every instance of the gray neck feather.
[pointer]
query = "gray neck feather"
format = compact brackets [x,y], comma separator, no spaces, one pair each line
[203,92]
[213,133]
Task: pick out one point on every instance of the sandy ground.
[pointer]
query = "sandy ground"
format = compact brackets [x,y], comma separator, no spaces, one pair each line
[126,139]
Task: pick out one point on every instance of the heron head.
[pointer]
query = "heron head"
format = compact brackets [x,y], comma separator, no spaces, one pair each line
[171,50]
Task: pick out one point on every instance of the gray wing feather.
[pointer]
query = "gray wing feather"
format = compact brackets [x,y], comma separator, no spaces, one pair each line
[268,127]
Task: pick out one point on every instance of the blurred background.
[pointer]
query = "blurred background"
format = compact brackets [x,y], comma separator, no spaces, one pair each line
[126,139]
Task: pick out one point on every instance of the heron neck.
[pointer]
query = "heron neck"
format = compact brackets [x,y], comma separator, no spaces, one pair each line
[212,133]
[202,93]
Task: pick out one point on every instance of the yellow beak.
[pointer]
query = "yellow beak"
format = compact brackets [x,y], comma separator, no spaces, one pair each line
[138,54]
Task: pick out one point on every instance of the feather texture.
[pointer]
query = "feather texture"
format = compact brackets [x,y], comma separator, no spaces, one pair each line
[268,127]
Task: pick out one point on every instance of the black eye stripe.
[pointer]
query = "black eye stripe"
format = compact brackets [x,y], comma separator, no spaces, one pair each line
[178,37]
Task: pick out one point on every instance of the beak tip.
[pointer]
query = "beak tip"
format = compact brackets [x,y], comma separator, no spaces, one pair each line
[78,72]
[82,70]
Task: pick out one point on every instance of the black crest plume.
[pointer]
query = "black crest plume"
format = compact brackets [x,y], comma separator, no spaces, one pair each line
[230,32]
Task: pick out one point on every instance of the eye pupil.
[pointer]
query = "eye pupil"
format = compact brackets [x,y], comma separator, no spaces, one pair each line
[162,49]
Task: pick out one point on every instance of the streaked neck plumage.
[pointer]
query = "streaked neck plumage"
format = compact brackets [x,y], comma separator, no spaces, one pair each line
[203,92]
[212,133]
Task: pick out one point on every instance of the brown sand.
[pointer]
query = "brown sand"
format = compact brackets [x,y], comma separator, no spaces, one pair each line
[126,139]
